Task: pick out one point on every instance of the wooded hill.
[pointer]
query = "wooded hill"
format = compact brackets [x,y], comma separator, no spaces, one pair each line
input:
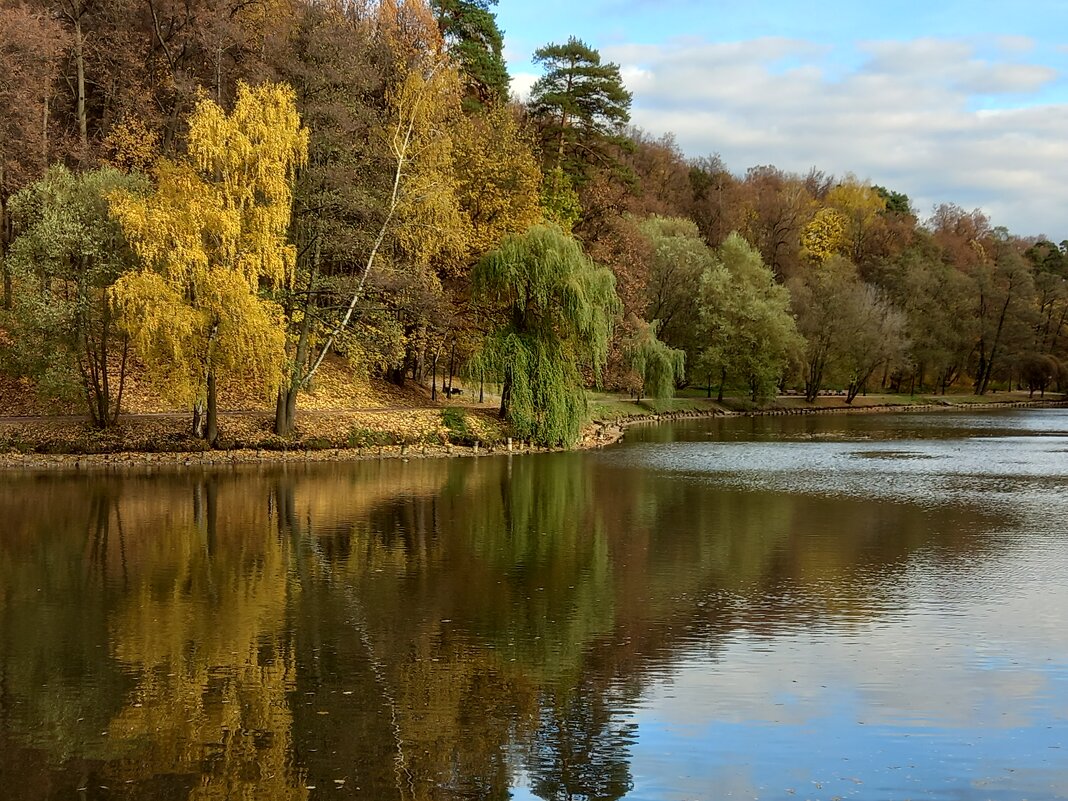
[229,193]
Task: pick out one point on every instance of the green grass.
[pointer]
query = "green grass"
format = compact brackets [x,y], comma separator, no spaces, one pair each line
[455,422]
[605,406]
[608,406]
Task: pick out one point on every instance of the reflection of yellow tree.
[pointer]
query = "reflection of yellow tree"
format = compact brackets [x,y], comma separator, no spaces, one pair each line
[200,627]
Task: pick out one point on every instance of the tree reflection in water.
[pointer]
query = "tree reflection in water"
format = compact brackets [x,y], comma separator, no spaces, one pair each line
[385,630]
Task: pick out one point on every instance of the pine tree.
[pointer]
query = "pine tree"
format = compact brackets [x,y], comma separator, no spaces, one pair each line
[474,40]
[580,103]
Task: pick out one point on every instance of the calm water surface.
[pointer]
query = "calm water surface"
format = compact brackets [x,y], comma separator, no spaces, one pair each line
[873,607]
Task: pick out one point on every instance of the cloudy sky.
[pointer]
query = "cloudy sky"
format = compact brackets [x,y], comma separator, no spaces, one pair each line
[944,100]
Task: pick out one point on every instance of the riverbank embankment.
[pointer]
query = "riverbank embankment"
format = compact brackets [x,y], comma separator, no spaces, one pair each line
[162,441]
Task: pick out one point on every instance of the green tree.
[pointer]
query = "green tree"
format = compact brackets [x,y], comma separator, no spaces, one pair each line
[851,329]
[745,320]
[817,294]
[474,40]
[68,252]
[874,336]
[658,366]
[211,233]
[672,288]
[557,309]
[580,103]
[936,299]
[1004,308]
[896,202]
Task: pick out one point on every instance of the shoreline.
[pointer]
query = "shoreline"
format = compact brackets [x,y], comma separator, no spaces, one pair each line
[623,423]
[598,434]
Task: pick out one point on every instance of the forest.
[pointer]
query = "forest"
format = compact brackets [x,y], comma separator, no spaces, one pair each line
[226,194]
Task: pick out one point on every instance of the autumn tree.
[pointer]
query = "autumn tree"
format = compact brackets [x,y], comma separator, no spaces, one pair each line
[67,254]
[334,63]
[873,337]
[28,51]
[859,207]
[557,309]
[715,204]
[656,174]
[823,236]
[498,178]
[408,234]
[580,105]
[211,234]
[775,207]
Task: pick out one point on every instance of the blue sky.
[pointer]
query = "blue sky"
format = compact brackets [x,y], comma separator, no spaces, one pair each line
[945,101]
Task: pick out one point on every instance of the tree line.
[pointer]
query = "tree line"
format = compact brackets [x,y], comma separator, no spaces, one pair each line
[228,194]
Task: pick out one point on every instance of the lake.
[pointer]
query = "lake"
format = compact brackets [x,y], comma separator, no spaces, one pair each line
[853,607]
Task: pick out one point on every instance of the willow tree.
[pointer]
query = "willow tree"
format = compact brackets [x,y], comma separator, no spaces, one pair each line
[557,308]
[210,236]
[659,366]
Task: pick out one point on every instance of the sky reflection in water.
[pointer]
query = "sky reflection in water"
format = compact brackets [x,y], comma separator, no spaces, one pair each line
[959,692]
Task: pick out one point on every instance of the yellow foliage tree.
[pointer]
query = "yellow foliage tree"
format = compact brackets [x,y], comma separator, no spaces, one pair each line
[428,225]
[499,178]
[132,146]
[859,205]
[824,235]
[211,234]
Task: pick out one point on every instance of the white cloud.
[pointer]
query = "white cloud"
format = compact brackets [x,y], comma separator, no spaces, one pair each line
[521,84]
[913,115]
[1016,45]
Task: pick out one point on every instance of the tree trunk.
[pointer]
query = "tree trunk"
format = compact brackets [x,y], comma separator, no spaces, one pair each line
[285,411]
[452,367]
[116,410]
[722,383]
[79,60]
[434,377]
[44,130]
[506,396]
[212,431]
[198,420]
[4,237]
[997,341]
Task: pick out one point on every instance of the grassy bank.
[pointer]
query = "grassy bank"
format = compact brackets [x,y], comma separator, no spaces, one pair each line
[606,407]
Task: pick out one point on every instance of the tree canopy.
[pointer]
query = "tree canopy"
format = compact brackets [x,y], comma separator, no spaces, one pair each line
[580,103]
[212,231]
[556,314]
